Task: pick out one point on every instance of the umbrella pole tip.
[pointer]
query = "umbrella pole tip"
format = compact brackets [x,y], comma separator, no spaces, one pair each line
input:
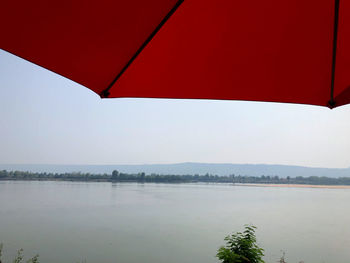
[331,104]
[104,94]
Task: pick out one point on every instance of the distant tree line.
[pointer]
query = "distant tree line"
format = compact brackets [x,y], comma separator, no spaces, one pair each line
[168,178]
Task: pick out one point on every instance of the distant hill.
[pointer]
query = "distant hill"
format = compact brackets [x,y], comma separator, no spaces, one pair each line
[187,168]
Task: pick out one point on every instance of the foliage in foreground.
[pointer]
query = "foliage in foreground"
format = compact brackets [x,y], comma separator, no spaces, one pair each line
[241,248]
[19,257]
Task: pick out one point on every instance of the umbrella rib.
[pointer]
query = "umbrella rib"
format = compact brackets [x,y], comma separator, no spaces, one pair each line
[105,93]
[331,102]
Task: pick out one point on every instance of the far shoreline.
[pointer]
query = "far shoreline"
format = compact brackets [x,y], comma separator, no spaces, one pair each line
[295,185]
[282,185]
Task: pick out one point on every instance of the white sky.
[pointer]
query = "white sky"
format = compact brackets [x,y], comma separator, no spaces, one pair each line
[47,119]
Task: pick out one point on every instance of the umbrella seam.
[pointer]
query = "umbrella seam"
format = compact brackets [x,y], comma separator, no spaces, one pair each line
[105,93]
[331,102]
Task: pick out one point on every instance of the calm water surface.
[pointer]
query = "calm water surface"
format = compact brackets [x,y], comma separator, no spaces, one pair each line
[173,223]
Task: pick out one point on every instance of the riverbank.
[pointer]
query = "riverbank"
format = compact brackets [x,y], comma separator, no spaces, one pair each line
[298,186]
[281,185]
[115,176]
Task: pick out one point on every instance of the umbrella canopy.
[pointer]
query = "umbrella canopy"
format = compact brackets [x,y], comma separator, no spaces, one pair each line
[291,51]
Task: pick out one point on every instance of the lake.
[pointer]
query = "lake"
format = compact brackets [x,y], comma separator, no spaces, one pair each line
[67,222]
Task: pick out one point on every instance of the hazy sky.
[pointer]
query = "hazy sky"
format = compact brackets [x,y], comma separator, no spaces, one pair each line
[45,118]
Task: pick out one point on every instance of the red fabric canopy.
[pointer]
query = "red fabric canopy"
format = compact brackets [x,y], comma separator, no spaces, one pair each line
[281,51]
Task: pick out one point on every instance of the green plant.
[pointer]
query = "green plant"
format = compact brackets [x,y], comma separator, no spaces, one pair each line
[34,259]
[241,247]
[1,246]
[19,256]
[282,259]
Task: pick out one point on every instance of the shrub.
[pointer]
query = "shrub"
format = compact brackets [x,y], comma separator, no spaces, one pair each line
[241,247]
[19,256]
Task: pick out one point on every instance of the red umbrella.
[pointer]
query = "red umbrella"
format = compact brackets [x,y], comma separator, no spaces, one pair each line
[283,51]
